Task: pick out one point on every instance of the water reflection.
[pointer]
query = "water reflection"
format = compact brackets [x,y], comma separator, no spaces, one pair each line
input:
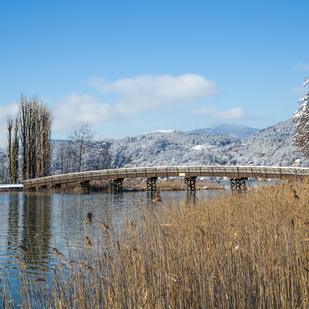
[42,221]
[36,227]
[13,223]
[191,197]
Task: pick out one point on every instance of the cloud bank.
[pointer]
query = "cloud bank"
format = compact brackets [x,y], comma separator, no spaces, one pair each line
[136,96]
[75,108]
[148,92]
[188,86]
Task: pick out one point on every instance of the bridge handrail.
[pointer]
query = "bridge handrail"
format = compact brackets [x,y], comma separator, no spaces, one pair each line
[253,170]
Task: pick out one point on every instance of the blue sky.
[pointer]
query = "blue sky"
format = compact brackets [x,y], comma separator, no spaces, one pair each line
[131,67]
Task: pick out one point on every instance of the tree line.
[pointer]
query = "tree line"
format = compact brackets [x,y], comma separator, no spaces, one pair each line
[30,148]
[81,153]
[31,140]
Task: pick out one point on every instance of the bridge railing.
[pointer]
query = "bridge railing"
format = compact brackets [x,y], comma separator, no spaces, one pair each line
[253,170]
[249,171]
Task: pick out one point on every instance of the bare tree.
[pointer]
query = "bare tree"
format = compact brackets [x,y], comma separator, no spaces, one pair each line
[35,122]
[3,169]
[99,157]
[67,157]
[301,117]
[10,122]
[80,138]
[15,152]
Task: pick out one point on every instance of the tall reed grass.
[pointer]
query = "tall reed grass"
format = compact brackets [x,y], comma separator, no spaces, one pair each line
[248,250]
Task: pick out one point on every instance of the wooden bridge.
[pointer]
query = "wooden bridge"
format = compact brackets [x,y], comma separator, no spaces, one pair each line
[237,175]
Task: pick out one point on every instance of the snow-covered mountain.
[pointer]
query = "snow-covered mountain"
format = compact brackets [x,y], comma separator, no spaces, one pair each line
[240,132]
[268,147]
[272,146]
[172,148]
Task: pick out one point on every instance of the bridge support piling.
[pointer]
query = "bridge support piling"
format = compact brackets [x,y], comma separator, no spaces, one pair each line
[152,184]
[190,182]
[238,184]
[57,186]
[84,186]
[115,185]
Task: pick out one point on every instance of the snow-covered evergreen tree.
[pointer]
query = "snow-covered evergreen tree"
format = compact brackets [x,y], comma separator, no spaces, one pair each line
[301,117]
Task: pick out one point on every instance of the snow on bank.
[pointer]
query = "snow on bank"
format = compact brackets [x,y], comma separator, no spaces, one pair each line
[11,186]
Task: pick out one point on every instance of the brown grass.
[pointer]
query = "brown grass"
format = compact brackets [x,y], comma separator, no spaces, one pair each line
[248,250]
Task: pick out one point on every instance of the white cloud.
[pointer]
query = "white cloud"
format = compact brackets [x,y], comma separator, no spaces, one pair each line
[74,108]
[137,95]
[301,67]
[188,86]
[8,110]
[148,92]
[233,114]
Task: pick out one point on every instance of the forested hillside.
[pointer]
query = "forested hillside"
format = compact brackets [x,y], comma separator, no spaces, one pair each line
[172,148]
[230,130]
[268,147]
[272,146]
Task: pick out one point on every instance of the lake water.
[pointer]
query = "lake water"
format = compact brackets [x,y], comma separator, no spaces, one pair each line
[42,221]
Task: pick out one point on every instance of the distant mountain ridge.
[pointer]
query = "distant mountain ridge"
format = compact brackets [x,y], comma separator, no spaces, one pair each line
[237,131]
[272,146]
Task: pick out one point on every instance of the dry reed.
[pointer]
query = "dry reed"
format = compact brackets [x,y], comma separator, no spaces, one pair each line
[248,250]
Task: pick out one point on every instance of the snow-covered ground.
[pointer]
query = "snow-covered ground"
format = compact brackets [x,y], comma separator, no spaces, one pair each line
[20,186]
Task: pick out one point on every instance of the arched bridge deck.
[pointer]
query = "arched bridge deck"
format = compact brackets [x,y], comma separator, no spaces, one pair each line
[172,171]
